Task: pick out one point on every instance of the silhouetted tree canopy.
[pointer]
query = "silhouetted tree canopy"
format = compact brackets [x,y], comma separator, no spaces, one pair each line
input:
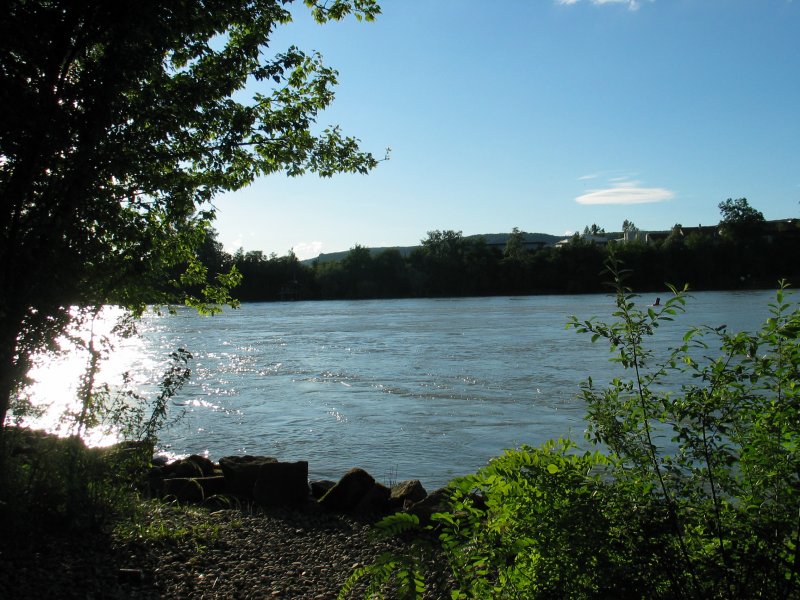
[446,263]
[120,122]
[740,220]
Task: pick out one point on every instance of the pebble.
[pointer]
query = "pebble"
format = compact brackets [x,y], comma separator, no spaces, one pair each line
[302,555]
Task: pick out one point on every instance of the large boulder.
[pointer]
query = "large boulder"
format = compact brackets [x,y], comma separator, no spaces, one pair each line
[375,501]
[320,488]
[183,489]
[406,493]
[241,472]
[282,484]
[193,489]
[435,502]
[191,466]
[348,492]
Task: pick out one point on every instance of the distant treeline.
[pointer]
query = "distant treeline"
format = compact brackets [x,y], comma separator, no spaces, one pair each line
[448,264]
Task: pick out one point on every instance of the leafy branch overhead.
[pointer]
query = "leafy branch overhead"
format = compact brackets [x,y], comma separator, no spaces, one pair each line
[121,122]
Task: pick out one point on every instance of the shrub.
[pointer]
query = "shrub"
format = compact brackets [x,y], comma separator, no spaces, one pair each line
[692,489]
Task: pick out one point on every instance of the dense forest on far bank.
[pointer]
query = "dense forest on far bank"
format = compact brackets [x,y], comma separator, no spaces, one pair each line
[743,252]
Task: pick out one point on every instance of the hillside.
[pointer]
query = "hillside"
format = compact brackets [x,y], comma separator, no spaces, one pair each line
[531,240]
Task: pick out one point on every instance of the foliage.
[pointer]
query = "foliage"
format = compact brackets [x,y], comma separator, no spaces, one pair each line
[400,574]
[691,491]
[739,219]
[540,522]
[155,522]
[120,123]
[594,230]
[727,480]
[53,482]
[515,248]
[449,264]
[60,482]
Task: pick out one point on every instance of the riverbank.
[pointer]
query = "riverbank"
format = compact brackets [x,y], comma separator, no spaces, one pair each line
[106,542]
[195,553]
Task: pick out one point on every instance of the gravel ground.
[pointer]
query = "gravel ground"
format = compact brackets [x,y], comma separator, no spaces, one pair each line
[196,554]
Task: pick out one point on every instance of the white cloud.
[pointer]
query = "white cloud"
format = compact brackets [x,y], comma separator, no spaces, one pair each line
[628,192]
[631,4]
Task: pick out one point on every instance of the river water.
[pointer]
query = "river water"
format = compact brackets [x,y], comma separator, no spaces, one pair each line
[428,389]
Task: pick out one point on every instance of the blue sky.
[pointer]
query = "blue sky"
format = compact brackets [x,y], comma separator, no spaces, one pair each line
[547,115]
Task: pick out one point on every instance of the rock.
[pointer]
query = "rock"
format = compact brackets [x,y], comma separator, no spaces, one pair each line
[348,492]
[205,465]
[409,491]
[182,469]
[194,489]
[212,486]
[241,472]
[321,487]
[131,576]
[376,500]
[191,466]
[183,489]
[282,484]
[437,501]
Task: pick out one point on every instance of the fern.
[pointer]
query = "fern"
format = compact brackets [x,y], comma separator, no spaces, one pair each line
[396,524]
[388,567]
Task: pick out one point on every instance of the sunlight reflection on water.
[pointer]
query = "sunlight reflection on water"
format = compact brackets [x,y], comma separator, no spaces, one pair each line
[56,378]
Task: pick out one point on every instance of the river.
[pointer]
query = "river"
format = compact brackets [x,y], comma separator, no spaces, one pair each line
[428,389]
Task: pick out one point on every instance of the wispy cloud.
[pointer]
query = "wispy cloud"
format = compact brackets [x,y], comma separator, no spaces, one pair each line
[625,192]
[631,4]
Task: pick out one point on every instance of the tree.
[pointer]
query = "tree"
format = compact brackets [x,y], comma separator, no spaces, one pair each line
[740,220]
[593,230]
[515,245]
[121,122]
[443,262]
[629,226]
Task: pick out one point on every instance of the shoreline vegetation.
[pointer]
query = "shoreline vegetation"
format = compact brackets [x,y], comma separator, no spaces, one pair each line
[735,254]
[243,527]
[613,517]
[125,121]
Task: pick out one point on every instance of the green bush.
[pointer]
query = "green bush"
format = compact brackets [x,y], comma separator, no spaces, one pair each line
[692,489]
[59,482]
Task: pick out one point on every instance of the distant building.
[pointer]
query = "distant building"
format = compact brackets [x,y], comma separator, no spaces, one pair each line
[600,240]
[782,228]
[707,230]
[530,241]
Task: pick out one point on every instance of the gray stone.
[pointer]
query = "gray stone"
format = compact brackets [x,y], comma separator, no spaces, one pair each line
[205,465]
[191,466]
[321,487]
[282,484]
[348,492]
[437,501]
[409,491]
[193,489]
[241,472]
[376,500]
[183,489]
